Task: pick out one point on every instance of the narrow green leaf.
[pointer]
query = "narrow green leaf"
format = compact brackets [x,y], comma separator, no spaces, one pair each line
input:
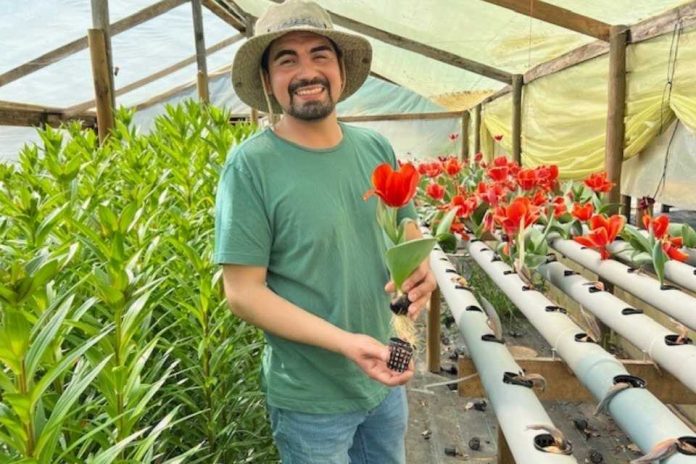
[41,342]
[446,222]
[659,259]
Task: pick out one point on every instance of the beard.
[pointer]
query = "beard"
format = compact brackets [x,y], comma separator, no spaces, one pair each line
[311,110]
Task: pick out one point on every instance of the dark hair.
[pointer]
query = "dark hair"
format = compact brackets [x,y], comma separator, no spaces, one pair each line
[264,57]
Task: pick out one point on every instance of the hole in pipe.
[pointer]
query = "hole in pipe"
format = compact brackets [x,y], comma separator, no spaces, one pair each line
[671,340]
[462,287]
[568,272]
[594,289]
[550,258]
[545,440]
[444,259]
[631,311]
[582,337]
[474,240]
[450,271]
[509,272]
[551,309]
[509,378]
[495,258]
[526,288]
[667,287]
[631,270]
[474,308]
[632,380]
[491,338]
[686,440]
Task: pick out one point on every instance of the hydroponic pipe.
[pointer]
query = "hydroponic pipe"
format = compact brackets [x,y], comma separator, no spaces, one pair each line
[680,273]
[515,406]
[670,300]
[642,331]
[639,414]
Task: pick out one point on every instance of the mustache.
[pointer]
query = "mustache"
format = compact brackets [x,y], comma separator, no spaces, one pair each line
[307,82]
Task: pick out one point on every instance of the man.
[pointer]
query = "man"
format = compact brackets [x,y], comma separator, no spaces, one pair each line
[302,251]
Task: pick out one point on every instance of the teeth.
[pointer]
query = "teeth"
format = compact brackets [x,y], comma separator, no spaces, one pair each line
[310,91]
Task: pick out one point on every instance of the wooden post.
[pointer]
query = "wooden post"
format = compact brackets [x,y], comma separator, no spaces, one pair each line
[504,453]
[517,83]
[103,92]
[465,136]
[100,20]
[613,157]
[202,74]
[477,129]
[626,207]
[433,333]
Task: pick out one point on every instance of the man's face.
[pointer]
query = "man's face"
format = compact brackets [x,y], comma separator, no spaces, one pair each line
[305,75]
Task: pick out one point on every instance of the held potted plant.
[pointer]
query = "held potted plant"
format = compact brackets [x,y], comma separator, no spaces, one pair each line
[394,190]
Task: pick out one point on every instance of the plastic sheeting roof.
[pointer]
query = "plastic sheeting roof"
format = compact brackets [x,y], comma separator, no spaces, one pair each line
[473,29]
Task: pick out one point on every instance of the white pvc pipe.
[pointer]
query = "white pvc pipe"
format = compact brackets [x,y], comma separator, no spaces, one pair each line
[639,414]
[680,273]
[634,326]
[679,305]
[515,406]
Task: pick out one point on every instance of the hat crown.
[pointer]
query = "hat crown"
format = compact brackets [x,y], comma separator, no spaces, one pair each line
[293,14]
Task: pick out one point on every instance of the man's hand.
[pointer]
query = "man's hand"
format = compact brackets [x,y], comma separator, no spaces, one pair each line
[371,356]
[419,286]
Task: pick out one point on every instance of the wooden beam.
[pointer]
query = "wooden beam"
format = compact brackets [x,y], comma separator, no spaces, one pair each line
[100,20]
[423,49]
[517,118]
[504,454]
[199,40]
[465,135]
[614,151]
[22,114]
[159,74]
[102,85]
[664,23]
[433,333]
[558,16]
[159,98]
[402,116]
[567,60]
[477,128]
[562,385]
[225,15]
[81,43]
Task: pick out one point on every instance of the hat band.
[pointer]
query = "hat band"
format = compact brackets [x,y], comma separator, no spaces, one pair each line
[294,22]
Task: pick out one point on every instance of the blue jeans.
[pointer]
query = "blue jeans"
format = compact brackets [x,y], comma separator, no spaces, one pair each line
[363,437]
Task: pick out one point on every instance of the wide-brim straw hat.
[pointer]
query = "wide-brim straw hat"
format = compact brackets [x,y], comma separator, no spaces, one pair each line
[291,16]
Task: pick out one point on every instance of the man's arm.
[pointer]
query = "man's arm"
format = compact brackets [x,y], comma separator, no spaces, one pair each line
[421,283]
[250,299]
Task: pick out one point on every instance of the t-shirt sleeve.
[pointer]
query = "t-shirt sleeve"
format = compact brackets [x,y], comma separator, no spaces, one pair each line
[408,210]
[242,228]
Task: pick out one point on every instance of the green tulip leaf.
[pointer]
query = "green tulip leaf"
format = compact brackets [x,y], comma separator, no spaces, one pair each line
[404,258]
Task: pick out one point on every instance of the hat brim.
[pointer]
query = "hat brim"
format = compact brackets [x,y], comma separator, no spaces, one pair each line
[246,79]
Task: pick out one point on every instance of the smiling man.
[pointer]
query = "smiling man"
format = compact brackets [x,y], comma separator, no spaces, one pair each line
[301,250]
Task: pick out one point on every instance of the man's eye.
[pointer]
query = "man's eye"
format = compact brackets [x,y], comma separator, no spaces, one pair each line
[285,62]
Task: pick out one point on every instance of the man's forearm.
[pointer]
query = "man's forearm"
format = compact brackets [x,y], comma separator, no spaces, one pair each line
[261,307]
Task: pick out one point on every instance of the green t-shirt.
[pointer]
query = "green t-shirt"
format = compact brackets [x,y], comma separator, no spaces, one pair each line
[301,214]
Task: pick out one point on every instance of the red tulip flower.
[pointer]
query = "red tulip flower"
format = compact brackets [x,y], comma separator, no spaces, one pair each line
[435,191]
[582,212]
[559,207]
[603,231]
[453,136]
[598,182]
[670,245]
[466,205]
[395,188]
[452,166]
[498,173]
[498,138]
[520,214]
[526,179]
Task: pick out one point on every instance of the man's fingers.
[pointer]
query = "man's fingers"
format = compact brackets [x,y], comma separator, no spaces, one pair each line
[390,288]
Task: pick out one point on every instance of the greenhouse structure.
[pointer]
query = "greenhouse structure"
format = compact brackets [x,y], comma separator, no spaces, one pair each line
[550,148]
